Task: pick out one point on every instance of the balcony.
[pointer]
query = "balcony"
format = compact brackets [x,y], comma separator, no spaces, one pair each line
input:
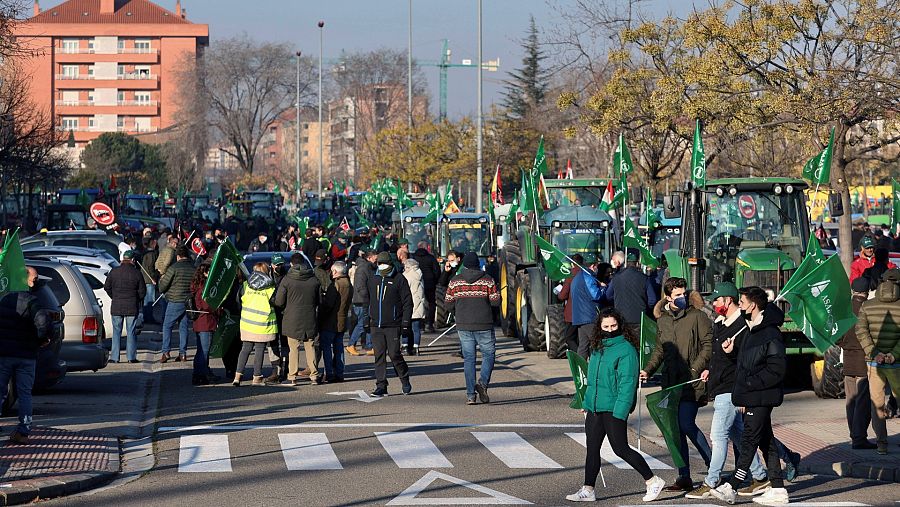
[128,81]
[122,107]
[123,55]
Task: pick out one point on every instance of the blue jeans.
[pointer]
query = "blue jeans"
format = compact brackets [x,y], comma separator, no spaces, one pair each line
[417,331]
[23,369]
[362,314]
[331,344]
[130,338]
[687,423]
[486,342]
[201,358]
[175,314]
[149,299]
[727,423]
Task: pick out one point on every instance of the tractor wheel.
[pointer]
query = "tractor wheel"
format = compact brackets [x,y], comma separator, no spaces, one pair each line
[440,312]
[558,346]
[827,375]
[523,311]
[507,297]
[536,340]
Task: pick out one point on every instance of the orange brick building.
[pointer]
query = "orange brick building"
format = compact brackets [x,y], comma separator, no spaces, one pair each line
[108,65]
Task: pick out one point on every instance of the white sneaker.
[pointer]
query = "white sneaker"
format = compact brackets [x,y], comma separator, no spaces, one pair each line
[773,496]
[725,493]
[654,487]
[583,495]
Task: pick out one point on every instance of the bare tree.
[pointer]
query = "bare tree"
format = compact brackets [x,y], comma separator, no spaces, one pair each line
[240,86]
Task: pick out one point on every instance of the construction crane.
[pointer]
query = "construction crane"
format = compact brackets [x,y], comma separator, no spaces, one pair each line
[444,64]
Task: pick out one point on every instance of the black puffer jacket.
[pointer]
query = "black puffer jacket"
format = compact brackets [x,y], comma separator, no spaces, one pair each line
[299,295]
[761,363]
[364,271]
[431,270]
[24,325]
[125,286]
[723,365]
[390,301]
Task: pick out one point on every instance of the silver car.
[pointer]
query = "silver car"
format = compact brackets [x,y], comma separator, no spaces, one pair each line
[98,240]
[82,347]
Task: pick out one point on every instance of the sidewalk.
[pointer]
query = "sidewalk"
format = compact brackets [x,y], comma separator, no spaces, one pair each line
[817,429]
[55,463]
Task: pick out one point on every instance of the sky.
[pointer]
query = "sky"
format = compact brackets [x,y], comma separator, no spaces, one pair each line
[360,25]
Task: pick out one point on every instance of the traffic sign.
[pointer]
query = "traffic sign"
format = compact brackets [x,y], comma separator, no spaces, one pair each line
[747,206]
[197,246]
[102,213]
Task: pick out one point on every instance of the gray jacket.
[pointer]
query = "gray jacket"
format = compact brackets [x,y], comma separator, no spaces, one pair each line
[364,271]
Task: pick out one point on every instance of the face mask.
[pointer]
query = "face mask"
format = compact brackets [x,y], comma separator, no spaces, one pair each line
[384,267]
[722,310]
[680,302]
[609,334]
[454,263]
[748,313]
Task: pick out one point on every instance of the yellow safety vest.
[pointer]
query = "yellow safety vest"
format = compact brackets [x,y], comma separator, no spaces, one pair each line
[257,315]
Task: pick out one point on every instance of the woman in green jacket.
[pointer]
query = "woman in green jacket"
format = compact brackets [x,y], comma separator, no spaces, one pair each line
[611,394]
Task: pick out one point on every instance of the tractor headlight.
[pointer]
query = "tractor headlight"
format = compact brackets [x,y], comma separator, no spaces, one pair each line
[482,220]
[789,189]
[409,219]
[604,224]
[732,191]
[720,191]
[556,223]
[778,189]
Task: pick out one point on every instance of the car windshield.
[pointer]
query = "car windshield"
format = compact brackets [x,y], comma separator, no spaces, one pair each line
[415,232]
[138,206]
[756,219]
[590,243]
[576,196]
[470,238]
[664,238]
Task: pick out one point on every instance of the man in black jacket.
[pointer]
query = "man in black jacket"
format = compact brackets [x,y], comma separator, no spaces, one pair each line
[365,268]
[125,286]
[299,296]
[758,383]
[25,328]
[390,315]
[631,292]
[431,271]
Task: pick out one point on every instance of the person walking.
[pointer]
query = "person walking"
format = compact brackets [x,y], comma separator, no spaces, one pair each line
[413,276]
[333,322]
[365,268]
[563,292]
[205,323]
[758,389]
[856,383]
[585,293]
[147,264]
[278,348]
[26,328]
[299,295]
[258,323]
[431,271]
[166,255]
[390,315]
[471,295]
[683,346]
[125,286]
[878,331]
[631,292]
[729,332]
[176,285]
[610,396]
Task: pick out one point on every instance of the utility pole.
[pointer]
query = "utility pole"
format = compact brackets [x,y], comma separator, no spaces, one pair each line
[297,140]
[480,126]
[409,91]
[321,125]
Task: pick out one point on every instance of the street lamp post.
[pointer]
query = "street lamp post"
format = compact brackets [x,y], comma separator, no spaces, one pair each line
[297,140]
[321,126]
[480,125]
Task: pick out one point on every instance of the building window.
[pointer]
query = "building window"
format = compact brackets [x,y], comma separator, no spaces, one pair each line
[305,153]
[120,122]
[90,96]
[142,124]
[306,126]
[70,71]
[90,70]
[304,140]
[70,45]
[91,44]
[91,122]
[120,96]
[120,70]
[142,46]
[69,123]
[120,44]
[142,97]
[142,71]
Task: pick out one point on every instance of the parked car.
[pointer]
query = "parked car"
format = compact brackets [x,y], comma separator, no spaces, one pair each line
[50,369]
[82,348]
[98,240]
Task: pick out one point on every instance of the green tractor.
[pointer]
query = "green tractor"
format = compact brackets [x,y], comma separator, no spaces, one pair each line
[753,232]
[413,226]
[575,224]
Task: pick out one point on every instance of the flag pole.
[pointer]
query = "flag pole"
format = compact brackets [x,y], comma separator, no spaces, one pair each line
[442,335]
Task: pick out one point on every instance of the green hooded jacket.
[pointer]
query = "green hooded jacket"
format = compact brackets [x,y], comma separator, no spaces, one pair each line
[612,378]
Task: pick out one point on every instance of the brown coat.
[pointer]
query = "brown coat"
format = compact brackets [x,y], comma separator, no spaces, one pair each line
[335,305]
[854,357]
[683,345]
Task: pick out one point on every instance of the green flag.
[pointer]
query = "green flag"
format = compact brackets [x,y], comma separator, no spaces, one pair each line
[579,367]
[652,217]
[818,169]
[513,210]
[895,208]
[362,220]
[663,408]
[633,239]
[227,330]
[302,226]
[555,262]
[222,272]
[329,223]
[622,165]
[820,301]
[698,159]
[13,275]
[813,259]
[539,168]
[83,200]
[648,339]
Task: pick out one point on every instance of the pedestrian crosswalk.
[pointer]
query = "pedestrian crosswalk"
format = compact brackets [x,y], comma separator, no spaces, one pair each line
[309,451]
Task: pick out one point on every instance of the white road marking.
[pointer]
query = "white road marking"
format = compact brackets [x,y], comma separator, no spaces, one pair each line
[308,451]
[413,449]
[513,450]
[494,497]
[606,452]
[360,394]
[249,427]
[204,453]
[799,504]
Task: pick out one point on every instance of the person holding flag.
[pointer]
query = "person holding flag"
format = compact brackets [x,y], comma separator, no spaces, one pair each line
[758,389]
[612,377]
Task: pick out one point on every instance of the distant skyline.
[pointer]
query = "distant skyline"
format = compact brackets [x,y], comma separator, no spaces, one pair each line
[360,25]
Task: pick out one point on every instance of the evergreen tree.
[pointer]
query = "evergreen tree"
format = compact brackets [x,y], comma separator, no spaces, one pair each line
[526,86]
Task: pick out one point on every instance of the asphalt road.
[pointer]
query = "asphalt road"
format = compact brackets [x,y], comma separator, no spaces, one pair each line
[225,445]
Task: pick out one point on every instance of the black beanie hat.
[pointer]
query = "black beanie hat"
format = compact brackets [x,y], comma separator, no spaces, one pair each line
[471,261]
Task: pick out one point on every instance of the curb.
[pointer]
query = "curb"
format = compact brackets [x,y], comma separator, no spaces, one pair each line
[44,488]
[853,469]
